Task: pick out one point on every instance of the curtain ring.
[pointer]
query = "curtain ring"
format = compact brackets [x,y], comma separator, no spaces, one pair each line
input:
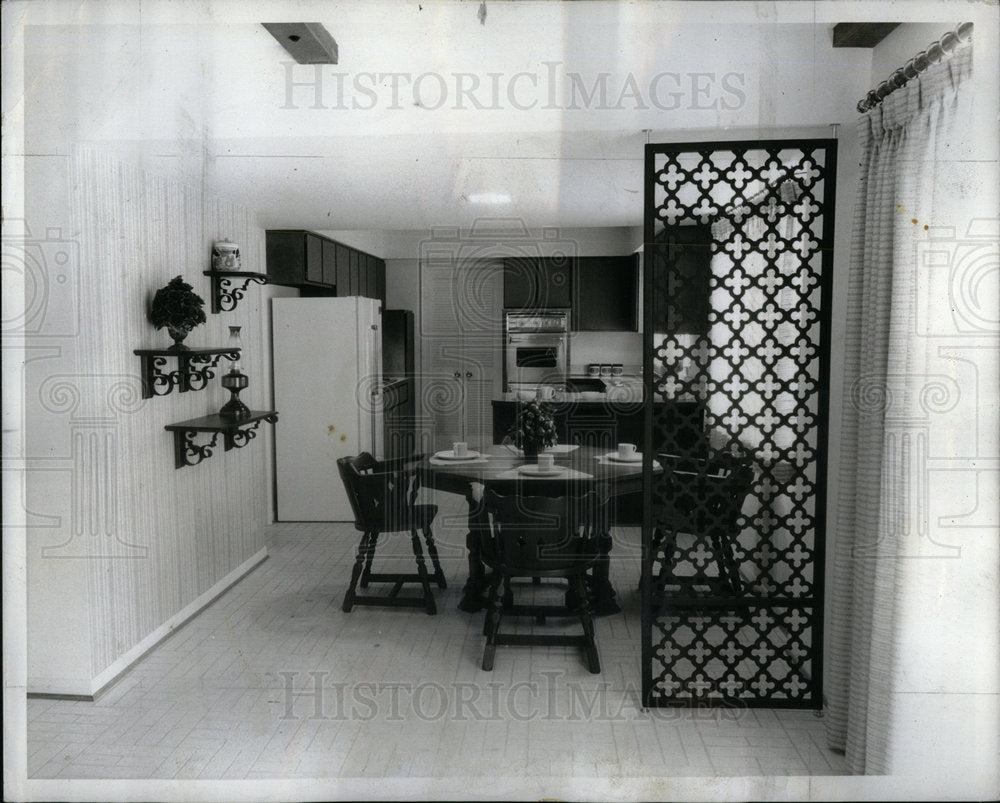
[898,78]
[935,53]
[920,62]
[909,70]
[964,31]
[949,42]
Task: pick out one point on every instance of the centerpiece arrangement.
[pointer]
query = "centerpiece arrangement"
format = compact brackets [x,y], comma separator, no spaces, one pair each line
[177,307]
[534,429]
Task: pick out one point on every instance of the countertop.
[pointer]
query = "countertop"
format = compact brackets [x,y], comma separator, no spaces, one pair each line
[619,389]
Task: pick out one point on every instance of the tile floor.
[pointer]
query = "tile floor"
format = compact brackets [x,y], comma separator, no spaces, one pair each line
[273,681]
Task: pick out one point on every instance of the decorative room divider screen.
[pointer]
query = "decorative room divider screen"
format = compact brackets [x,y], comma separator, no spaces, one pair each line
[737,271]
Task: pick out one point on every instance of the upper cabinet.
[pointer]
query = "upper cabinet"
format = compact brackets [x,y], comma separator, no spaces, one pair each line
[606,294]
[682,261]
[321,266]
[537,283]
[602,293]
[294,258]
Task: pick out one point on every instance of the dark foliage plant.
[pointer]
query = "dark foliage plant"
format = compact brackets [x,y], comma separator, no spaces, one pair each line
[176,305]
[535,428]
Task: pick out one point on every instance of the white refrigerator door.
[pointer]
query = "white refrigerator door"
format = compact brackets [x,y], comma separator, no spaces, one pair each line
[370,360]
[318,388]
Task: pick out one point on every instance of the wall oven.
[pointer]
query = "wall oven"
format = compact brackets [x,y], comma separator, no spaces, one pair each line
[537,348]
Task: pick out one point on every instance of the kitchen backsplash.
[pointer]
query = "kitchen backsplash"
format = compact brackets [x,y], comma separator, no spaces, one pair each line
[605,347]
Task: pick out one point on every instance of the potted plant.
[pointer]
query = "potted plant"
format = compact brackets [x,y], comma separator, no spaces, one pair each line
[177,307]
[535,428]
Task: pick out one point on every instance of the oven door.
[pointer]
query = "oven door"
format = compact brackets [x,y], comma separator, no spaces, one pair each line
[536,358]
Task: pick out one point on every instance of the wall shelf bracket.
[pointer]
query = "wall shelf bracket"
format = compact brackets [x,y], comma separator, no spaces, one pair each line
[227,291]
[236,433]
[194,369]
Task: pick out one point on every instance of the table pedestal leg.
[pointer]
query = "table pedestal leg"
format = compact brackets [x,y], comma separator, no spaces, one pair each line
[476,587]
[604,601]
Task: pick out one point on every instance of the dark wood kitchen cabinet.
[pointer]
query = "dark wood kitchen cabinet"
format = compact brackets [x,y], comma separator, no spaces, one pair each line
[606,294]
[537,282]
[321,266]
[398,419]
[295,258]
[380,280]
[329,276]
[602,293]
[604,425]
[682,259]
[343,270]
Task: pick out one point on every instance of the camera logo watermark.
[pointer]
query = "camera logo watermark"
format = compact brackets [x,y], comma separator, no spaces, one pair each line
[40,275]
[550,87]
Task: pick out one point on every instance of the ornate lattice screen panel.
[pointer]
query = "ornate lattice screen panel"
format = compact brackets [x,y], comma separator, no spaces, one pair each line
[737,269]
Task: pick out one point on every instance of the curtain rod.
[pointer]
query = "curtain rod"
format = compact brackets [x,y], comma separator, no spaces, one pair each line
[936,52]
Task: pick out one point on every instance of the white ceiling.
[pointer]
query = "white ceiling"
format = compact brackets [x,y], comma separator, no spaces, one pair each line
[201,90]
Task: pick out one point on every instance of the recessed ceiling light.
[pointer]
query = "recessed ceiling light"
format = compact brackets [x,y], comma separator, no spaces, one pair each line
[489,198]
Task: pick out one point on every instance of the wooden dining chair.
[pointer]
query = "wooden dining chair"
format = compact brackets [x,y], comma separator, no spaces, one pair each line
[540,537]
[702,499]
[383,498]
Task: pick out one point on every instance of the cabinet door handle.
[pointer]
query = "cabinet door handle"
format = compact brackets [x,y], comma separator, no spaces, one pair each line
[458,374]
[468,374]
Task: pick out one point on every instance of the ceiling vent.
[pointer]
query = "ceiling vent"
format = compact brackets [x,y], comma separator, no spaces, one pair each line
[308,42]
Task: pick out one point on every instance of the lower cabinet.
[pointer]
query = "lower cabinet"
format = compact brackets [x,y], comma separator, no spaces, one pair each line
[399,420]
[604,425]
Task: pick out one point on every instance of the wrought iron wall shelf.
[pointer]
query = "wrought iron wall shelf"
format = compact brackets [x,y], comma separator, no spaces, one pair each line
[236,433]
[226,292]
[194,369]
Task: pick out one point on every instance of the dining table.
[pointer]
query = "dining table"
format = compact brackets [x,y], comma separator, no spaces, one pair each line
[576,470]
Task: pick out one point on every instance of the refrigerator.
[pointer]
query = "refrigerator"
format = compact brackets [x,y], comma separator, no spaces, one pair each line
[327,358]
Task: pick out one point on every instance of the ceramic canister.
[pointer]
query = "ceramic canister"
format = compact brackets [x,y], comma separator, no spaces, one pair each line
[225,256]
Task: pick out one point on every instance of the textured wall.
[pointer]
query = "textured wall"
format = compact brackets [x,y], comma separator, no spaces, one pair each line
[131,541]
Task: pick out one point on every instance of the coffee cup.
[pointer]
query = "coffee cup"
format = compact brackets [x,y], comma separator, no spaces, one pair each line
[606,369]
[593,369]
[544,393]
[546,462]
[460,449]
[626,451]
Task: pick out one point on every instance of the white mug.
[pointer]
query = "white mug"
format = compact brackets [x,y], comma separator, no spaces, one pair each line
[546,462]
[626,451]
[460,448]
[544,393]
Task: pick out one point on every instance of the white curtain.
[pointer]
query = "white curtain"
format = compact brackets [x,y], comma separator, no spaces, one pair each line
[905,403]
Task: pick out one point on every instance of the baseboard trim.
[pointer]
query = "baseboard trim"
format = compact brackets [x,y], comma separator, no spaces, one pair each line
[76,690]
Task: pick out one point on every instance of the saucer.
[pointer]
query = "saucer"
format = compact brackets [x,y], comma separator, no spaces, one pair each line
[613,456]
[448,454]
[533,470]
